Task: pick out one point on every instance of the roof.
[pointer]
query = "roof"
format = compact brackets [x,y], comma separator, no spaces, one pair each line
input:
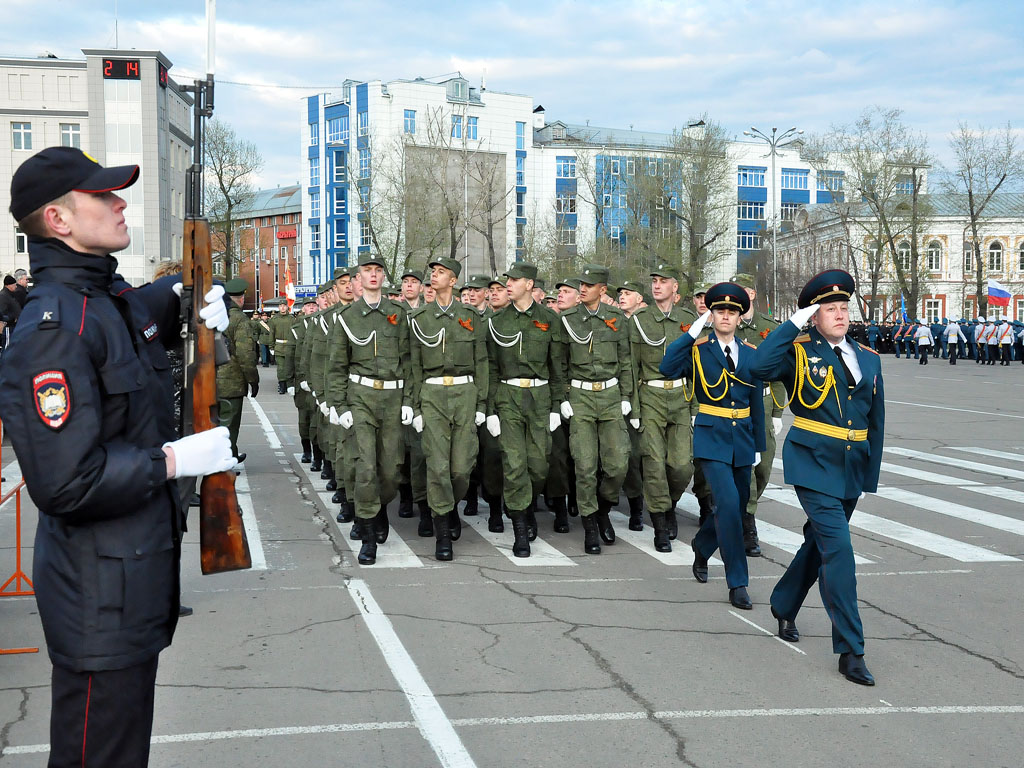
[267,202]
[598,136]
[1004,205]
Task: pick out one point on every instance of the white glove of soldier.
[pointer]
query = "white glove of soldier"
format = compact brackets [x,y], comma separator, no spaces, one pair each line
[333,417]
[406,415]
[554,421]
[566,410]
[757,459]
[777,426]
[346,419]
[698,325]
[693,421]
[635,424]
[480,418]
[304,385]
[801,316]
[417,423]
[494,426]
[204,453]
[323,409]
[626,407]
[291,391]
[215,314]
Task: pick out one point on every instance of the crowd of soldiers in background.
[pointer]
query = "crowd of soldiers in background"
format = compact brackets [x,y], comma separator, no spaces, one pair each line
[986,342]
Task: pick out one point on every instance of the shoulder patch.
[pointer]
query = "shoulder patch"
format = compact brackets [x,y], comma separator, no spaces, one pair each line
[49,313]
[52,397]
[747,343]
[803,338]
[866,348]
[702,340]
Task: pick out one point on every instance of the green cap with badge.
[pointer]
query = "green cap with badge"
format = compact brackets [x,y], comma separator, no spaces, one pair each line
[415,274]
[369,258]
[744,280]
[341,272]
[569,282]
[324,288]
[450,264]
[236,287]
[594,274]
[524,269]
[665,270]
[700,290]
[477,281]
[632,285]
[539,282]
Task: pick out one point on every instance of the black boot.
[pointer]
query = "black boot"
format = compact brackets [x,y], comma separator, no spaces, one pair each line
[347,513]
[327,472]
[455,523]
[636,513]
[405,500]
[307,451]
[495,523]
[318,459]
[339,496]
[426,521]
[604,524]
[671,524]
[661,540]
[750,543]
[443,548]
[381,524]
[281,388]
[367,552]
[472,503]
[591,541]
[561,514]
[332,480]
[574,508]
[531,520]
[356,534]
[520,529]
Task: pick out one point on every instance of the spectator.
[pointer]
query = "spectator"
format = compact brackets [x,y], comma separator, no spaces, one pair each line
[21,291]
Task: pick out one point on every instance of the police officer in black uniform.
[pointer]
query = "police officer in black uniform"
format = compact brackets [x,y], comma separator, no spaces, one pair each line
[86,397]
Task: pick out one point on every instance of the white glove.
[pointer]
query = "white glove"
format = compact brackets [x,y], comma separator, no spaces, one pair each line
[698,325]
[480,418]
[291,390]
[204,453]
[178,288]
[304,385]
[566,409]
[554,421]
[333,417]
[346,419]
[757,459]
[626,407]
[494,426]
[215,313]
[323,409]
[417,423]
[801,316]
[777,426]
[693,421]
[406,415]
[635,424]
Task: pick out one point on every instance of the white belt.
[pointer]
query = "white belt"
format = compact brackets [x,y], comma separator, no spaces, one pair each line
[281,341]
[448,381]
[377,383]
[594,386]
[525,383]
[665,383]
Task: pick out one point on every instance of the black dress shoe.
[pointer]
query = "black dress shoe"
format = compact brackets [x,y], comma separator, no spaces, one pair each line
[700,564]
[740,599]
[241,457]
[184,610]
[787,628]
[854,669]
[194,500]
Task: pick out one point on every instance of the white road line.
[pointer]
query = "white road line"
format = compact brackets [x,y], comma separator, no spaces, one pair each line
[991,453]
[959,511]
[542,554]
[960,410]
[915,537]
[768,632]
[681,553]
[252,528]
[998,492]
[974,466]
[268,428]
[432,722]
[928,477]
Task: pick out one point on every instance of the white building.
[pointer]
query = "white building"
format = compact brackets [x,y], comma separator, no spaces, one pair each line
[120,107]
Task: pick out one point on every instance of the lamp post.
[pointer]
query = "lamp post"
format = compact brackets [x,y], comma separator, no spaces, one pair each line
[775,142]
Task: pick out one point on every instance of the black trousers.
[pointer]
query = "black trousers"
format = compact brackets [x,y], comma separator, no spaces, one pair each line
[102,719]
[923,352]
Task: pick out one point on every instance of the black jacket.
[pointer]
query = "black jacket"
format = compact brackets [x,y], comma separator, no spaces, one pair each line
[85,396]
[10,307]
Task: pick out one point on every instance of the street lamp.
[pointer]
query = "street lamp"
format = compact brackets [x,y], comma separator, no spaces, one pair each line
[775,142]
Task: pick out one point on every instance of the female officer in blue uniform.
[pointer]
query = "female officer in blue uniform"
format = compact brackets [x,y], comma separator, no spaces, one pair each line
[832,454]
[728,434]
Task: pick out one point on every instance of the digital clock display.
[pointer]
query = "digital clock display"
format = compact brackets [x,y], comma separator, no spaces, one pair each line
[121,69]
[161,74]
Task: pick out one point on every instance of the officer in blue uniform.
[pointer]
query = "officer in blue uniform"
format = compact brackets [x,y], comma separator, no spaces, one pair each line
[873,333]
[728,434]
[833,453]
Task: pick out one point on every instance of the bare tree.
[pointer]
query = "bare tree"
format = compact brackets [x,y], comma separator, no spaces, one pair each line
[231,163]
[494,202]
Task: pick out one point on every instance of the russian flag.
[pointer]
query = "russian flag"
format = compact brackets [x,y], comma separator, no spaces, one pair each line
[997,294]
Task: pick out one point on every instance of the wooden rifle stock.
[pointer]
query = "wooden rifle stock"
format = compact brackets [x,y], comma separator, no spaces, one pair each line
[222,541]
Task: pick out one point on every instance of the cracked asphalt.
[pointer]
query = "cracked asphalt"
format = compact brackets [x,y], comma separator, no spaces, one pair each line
[619,660]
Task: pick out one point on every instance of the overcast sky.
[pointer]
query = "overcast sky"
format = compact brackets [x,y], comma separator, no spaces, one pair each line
[652,64]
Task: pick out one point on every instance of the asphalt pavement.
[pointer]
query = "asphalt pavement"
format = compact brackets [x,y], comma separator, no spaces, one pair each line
[566,659]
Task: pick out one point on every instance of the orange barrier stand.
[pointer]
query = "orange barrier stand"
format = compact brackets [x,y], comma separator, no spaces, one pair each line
[19,584]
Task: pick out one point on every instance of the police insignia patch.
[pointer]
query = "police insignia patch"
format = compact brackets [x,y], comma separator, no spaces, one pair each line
[52,397]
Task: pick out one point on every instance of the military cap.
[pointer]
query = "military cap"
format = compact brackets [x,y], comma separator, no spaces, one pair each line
[495,281]
[727,296]
[743,279]
[324,288]
[569,282]
[538,282]
[369,258]
[665,270]
[340,272]
[632,285]
[413,273]
[612,289]
[524,269]
[450,264]
[830,285]
[236,286]
[476,281]
[550,296]
[594,274]
[700,289]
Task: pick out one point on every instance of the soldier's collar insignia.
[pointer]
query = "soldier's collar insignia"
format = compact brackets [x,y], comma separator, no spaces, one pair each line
[52,397]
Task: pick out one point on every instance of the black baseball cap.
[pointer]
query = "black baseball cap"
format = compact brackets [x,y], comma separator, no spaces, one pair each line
[55,171]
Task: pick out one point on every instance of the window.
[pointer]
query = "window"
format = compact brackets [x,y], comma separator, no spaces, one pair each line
[565,167]
[615,232]
[364,123]
[565,204]
[995,257]
[1020,257]
[339,202]
[472,124]
[520,205]
[364,198]
[71,135]
[283,255]
[995,314]
[287,219]
[266,222]
[968,257]
[339,235]
[314,171]
[20,241]
[409,122]
[364,234]
[905,185]
[314,134]
[614,166]
[673,204]
[794,178]
[520,171]
[750,211]
[830,181]
[520,135]
[558,132]
[969,308]
[339,167]
[788,210]
[337,130]
[748,241]
[21,135]
[932,310]
[621,200]
[458,89]
[1020,309]
[934,256]
[364,163]
[750,177]
[606,200]
[903,256]
[630,167]
[314,236]
[456,126]
[567,235]
[314,205]
[520,236]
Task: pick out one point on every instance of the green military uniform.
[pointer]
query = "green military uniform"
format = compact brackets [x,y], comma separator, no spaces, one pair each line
[601,380]
[413,485]
[632,485]
[526,350]
[264,336]
[449,386]
[303,356]
[286,367]
[560,486]
[239,375]
[281,342]
[343,456]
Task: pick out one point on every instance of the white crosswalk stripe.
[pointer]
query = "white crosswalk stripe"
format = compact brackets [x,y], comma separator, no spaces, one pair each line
[974,466]
[542,554]
[681,553]
[959,511]
[989,452]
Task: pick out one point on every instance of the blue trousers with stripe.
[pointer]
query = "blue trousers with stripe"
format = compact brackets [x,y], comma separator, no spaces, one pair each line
[723,529]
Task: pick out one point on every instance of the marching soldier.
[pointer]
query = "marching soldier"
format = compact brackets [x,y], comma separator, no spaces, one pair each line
[630,300]
[560,486]
[318,349]
[601,383]
[413,486]
[349,288]
[449,396]
[527,381]
[661,403]
[264,336]
[954,336]
[238,376]
[288,364]
[302,356]
[1004,335]
[281,333]
[832,455]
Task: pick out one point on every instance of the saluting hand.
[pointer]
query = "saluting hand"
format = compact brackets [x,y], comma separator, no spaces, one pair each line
[801,316]
[698,325]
